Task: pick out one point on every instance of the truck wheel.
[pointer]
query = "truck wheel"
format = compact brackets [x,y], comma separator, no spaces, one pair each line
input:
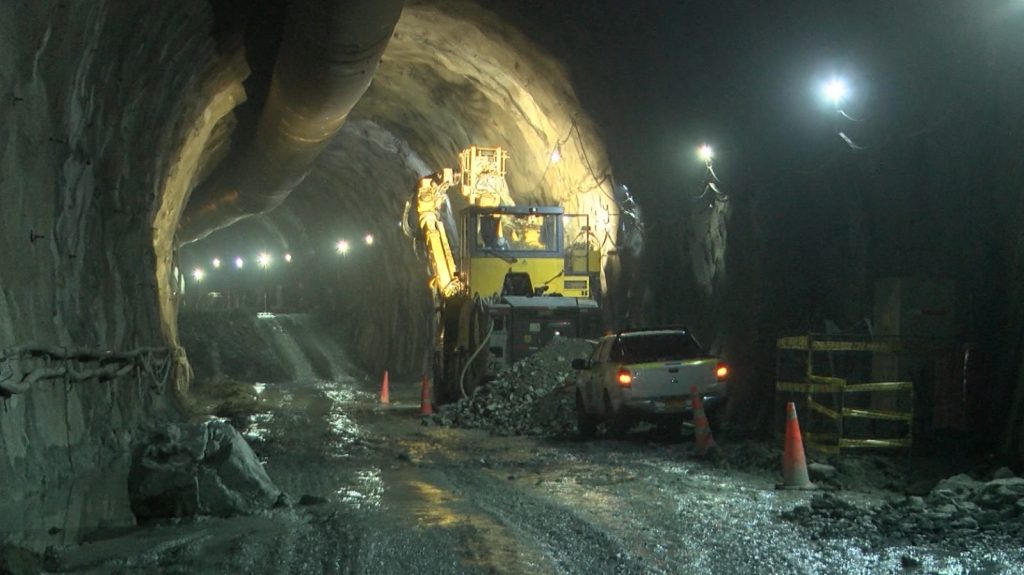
[617,424]
[715,419]
[585,424]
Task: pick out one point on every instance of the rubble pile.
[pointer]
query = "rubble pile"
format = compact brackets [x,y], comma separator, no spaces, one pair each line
[958,507]
[530,397]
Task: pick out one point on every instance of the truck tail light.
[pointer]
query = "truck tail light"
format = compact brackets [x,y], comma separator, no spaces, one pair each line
[722,372]
[625,378]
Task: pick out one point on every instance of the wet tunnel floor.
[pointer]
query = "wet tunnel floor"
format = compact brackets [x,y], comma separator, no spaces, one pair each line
[376,491]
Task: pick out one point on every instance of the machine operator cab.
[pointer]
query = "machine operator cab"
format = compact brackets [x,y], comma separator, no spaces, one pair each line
[541,272]
[527,242]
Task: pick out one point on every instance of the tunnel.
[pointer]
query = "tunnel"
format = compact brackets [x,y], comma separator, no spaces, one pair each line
[183,181]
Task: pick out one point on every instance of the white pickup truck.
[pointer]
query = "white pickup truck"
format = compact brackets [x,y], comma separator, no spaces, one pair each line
[646,376]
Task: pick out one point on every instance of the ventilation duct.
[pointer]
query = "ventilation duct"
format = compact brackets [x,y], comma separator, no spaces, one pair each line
[329,53]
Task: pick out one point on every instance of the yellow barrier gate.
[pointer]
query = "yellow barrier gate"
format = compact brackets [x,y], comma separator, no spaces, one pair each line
[844,410]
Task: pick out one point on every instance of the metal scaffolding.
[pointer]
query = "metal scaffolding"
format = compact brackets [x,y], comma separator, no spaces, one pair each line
[847,408]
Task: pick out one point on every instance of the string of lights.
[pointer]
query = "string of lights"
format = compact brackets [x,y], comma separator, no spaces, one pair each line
[266,259]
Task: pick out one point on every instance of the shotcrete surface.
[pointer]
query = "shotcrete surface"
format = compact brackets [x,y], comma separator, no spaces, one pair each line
[376,489]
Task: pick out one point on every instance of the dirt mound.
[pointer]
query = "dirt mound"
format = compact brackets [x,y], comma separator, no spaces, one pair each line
[531,397]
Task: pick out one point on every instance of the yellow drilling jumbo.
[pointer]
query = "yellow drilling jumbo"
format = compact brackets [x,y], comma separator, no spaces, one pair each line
[506,279]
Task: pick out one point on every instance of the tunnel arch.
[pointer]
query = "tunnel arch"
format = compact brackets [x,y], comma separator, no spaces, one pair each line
[454,74]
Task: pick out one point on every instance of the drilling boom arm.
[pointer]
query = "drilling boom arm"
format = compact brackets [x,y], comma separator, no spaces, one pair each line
[430,198]
[482,181]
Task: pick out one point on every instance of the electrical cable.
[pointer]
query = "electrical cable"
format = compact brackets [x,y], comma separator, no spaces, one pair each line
[843,113]
[126,362]
[853,145]
[590,167]
[551,159]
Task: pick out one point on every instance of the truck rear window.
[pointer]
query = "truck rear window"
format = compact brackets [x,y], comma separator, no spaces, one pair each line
[655,347]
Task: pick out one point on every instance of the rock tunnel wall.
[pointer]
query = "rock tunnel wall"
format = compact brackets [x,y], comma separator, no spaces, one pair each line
[92,95]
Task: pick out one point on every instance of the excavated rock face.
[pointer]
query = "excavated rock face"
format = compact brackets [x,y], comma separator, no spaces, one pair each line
[95,95]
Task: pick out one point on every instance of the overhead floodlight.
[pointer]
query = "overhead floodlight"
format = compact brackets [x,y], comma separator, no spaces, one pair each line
[342,247]
[369,239]
[239,263]
[705,153]
[198,274]
[263,259]
[216,263]
[836,91]
[288,258]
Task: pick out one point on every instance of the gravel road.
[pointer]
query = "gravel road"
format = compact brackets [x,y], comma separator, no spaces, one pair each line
[377,489]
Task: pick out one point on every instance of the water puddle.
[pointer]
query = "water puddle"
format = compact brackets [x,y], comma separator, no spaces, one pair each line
[258,428]
[486,543]
[367,491]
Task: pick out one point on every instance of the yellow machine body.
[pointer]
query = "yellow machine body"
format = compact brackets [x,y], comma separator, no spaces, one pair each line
[507,279]
[531,240]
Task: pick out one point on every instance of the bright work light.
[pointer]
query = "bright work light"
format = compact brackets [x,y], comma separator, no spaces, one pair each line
[706,153]
[836,91]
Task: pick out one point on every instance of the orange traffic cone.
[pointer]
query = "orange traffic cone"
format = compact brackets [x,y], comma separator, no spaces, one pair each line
[384,395]
[425,407]
[705,441]
[794,463]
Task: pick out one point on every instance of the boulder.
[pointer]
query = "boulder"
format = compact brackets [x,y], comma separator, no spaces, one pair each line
[957,487]
[182,470]
[1001,493]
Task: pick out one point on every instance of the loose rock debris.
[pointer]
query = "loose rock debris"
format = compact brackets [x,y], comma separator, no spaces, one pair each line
[534,396]
[958,508]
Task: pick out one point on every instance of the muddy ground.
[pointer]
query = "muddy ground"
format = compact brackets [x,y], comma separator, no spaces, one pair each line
[378,489]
